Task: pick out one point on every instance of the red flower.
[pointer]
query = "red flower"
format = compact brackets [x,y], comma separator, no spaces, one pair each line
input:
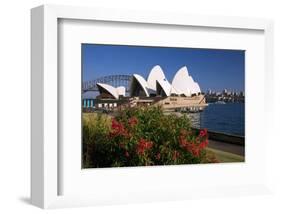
[195,151]
[143,145]
[203,133]
[203,144]
[118,129]
[133,121]
[116,126]
[193,148]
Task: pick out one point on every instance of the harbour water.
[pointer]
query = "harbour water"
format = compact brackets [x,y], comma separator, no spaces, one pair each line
[227,118]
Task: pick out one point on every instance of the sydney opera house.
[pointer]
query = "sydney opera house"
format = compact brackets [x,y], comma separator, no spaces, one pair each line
[182,92]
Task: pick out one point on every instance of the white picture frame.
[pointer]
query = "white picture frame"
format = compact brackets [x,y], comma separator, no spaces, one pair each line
[45,154]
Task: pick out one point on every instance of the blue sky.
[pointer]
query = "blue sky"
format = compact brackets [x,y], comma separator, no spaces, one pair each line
[211,68]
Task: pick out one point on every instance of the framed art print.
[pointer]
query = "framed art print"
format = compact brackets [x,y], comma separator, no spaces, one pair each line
[132,106]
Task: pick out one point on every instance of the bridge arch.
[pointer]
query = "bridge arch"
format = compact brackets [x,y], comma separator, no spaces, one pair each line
[113,80]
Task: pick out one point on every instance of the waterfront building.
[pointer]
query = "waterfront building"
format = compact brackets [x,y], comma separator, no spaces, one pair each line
[157,84]
[182,93]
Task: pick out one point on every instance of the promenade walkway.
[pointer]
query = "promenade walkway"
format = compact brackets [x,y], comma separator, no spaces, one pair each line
[227,147]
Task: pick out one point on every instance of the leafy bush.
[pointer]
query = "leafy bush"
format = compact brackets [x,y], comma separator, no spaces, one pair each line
[141,137]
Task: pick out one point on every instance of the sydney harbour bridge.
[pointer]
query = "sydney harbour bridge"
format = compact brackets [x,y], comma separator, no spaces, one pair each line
[113,80]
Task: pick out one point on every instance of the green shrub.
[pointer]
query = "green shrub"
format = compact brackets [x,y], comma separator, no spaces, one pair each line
[141,136]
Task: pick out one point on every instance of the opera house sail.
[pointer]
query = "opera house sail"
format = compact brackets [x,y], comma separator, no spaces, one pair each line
[139,87]
[108,91]
[182,92]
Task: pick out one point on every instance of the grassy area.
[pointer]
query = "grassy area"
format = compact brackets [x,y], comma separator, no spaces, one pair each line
[225,157]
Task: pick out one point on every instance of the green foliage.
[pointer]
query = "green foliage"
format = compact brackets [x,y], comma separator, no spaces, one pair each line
[95,131]
[141,136]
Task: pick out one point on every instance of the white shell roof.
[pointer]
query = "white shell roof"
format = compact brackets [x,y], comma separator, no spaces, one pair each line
[110,89]
[182,81]
[197,87]
[155,74]
[121,90]
[166,86]
[142,83]
[175,91]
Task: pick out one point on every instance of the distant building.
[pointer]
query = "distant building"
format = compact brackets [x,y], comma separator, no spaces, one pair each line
[225,96]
